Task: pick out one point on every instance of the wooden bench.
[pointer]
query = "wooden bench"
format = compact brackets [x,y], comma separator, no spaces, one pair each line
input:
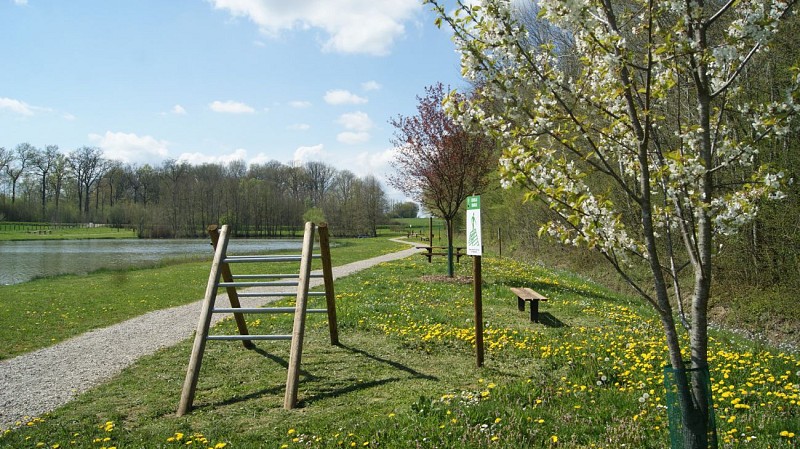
[530,295]
[458,252]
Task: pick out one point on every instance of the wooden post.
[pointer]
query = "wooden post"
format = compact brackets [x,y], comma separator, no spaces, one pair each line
[500,242]
[293,377]
[233,296]
[430,230]
[478,301]
[196,359]
[327,276]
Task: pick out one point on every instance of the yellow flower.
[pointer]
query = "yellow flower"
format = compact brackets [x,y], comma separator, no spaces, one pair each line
[554,439]
[291,432]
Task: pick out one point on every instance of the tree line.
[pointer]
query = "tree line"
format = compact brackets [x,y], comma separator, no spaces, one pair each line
[177,199]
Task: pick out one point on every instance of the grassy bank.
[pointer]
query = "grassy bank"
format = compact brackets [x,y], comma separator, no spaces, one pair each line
[34,231]
[42,312]
[405,376]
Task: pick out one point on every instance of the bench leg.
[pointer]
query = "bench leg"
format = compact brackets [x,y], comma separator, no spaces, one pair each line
[535,311]
[520,304]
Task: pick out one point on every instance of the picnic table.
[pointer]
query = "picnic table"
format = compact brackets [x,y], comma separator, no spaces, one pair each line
[430,251]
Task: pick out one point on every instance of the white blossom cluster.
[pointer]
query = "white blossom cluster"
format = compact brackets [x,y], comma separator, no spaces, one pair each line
[561,125]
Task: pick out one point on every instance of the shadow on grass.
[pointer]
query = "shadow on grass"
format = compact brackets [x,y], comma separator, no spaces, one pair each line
[399,366]
[414,374]
[275,390]
[547,319]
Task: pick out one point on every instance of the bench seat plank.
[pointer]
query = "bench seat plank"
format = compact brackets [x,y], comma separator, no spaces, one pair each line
[527,294]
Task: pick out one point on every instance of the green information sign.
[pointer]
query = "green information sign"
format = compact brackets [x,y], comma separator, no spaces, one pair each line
[473,202]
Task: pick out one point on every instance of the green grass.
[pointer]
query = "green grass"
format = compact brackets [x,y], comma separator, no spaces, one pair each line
[45,311]
[405,376]
[34,231]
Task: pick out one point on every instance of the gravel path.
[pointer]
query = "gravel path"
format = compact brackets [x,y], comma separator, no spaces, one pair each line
[40,381]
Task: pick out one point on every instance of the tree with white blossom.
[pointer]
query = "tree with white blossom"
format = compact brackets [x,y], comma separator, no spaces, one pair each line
[623,127]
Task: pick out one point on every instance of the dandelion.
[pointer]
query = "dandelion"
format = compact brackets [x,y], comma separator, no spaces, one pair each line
[554,439]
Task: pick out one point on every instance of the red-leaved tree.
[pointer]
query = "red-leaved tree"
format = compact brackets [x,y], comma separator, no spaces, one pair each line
[438,162]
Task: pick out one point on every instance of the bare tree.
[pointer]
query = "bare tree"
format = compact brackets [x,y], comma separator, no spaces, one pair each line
[320,178]
[44,161]
[21,159]
[88,166]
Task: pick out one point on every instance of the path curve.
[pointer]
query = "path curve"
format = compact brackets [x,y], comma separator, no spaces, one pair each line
[40,381]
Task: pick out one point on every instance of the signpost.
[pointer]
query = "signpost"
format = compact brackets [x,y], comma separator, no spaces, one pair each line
[475,249]
[474,246]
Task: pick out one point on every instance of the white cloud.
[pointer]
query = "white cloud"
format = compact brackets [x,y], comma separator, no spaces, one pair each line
[352,138]
[260,158]
[68,116]
[231,107]
[131,148]
[306,154]
[355,26]
[178,110]
[16,106]
[376,162]
[299,104]
[340,96]
[300,127]
[371,85]
[357,121]
[21,2]
[239,154]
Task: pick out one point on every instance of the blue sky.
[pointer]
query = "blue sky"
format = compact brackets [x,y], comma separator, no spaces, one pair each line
[218,80]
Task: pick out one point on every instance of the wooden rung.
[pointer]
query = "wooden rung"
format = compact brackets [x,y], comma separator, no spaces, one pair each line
[271,276]
[263,310]
[249,337]
[259,284]
[240,259]
[265,294]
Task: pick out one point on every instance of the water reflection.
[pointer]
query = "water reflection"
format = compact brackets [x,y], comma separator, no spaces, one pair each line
[23,261]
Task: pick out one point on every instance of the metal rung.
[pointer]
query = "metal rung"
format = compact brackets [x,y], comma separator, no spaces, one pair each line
[249,337]
[263,310]
[239,259]
[265,294]
[259,284]
[272,276]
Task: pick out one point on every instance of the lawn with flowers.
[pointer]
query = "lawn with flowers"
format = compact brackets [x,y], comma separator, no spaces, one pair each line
[589,376]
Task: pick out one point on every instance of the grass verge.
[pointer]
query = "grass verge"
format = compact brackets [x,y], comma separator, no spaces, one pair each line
[405,376]
[33,231]
[45,311]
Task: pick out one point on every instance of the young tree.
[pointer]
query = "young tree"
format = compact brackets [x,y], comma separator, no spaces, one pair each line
[644,106]
[439,163]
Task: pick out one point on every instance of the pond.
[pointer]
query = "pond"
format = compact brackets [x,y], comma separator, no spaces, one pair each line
[26,260]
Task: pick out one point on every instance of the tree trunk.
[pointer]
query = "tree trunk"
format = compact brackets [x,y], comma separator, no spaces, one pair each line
[689,404]
[450,267]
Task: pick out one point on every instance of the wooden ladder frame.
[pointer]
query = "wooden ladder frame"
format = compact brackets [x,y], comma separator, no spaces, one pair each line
[220,268]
